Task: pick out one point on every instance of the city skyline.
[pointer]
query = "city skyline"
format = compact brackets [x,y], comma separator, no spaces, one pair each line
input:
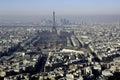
[80,40]
[62,7]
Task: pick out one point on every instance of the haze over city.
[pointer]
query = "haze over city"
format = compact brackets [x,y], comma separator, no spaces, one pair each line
[59,40]
[34,10]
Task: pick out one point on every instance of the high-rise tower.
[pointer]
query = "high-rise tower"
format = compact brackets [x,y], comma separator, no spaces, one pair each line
[54,30]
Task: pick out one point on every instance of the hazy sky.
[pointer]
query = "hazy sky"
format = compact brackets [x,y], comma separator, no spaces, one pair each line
[61,7]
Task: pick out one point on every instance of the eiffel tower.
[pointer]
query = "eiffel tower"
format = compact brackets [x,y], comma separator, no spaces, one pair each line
[54,30]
